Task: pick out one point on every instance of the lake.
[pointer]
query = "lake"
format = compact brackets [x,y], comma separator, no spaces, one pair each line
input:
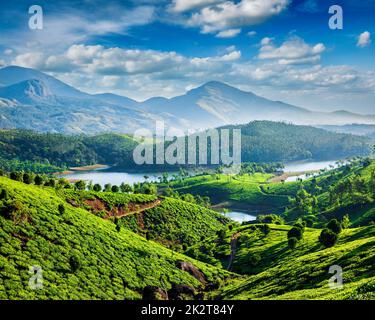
[301,166]
[116,178]
[240,216]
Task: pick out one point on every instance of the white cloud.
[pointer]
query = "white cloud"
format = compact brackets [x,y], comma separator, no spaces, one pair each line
[8,52]
[252,33]
[364,39]
[231,33]
[73,26]
[187,5]
[232,14]
[116,61]
[292,51]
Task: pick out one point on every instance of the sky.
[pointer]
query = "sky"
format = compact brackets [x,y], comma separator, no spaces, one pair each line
[280,49]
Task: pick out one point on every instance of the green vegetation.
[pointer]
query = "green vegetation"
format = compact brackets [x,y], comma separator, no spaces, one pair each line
[262,141]
[302,272]
[82,256]
[176,222]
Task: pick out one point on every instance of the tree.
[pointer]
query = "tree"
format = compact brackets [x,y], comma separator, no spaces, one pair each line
[328,238]
[80,185]
[97,187]
[75,263]
[295,232]
[28,178]
[126,188]
[335,226]
[38,180]
[61,209]
[115,189]
[17,176]
[292,242]
[4,195]
[107,187]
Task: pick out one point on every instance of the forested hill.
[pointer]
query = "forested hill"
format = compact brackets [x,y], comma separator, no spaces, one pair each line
[262,141]
[265,141]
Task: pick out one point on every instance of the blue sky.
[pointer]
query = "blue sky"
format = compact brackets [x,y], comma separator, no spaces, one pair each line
[281,49]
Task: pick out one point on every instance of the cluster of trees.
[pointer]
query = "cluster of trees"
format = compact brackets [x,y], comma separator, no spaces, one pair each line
[296,233]
[330,235]
[265,141]
[252,167]
[37,179]
[62,150]
[28,166]
[355,189]
[197,199]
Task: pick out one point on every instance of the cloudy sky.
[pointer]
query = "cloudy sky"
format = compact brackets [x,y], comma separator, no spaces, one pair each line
[280,49]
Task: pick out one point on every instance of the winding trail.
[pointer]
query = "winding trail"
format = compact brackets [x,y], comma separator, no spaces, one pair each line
[233,248]
[140,210]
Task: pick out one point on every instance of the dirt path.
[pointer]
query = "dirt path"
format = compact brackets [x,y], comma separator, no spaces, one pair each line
[233,249]
[141,209]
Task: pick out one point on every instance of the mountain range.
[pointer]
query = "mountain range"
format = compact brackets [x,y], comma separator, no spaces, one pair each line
[31,99]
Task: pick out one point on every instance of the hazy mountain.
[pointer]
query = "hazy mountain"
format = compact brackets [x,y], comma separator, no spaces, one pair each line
[215,104]
[44,103]
[33,100]
[116,99]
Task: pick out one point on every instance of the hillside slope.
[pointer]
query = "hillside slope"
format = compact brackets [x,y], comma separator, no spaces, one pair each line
[303,273]
[82,255]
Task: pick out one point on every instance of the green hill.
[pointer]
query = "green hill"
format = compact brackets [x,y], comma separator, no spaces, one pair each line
[83,256]
[262,141]
[169,221]
[239,192]
[302,273]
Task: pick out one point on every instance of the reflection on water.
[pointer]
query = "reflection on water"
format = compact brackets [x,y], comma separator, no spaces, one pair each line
[240,216]
[307,166]
[114,178]
[301,166]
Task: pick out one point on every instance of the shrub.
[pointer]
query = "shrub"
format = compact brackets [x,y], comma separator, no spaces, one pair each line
[61,209]
[335,226]
[292,242]
[38,180]
[80,185]
[75,263]
[17,176]
[115,189]
[28,178]
[97,187]
[254,260]
[295,232]
[271,219]
[328,238]
[3,194]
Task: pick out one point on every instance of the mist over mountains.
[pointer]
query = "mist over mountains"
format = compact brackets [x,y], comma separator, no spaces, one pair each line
[30,99]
